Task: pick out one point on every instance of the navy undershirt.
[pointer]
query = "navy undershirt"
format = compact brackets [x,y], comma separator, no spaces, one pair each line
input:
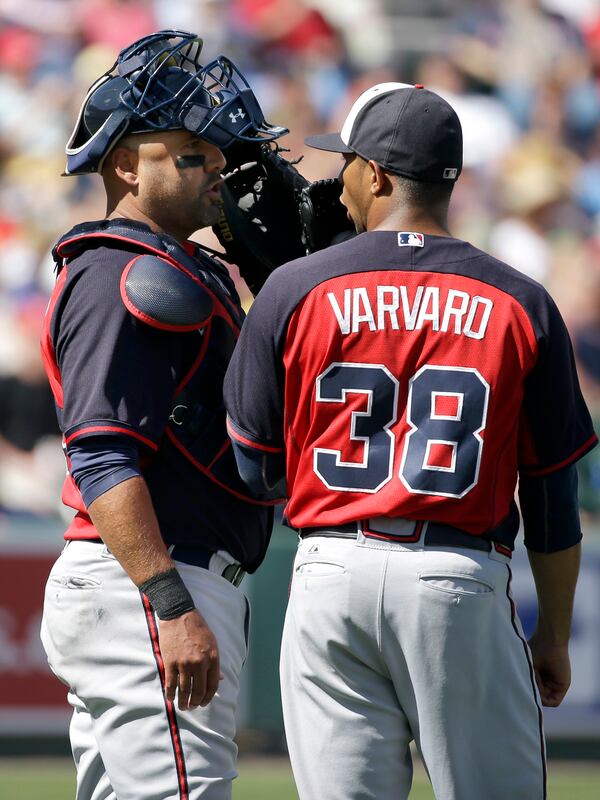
[99,463]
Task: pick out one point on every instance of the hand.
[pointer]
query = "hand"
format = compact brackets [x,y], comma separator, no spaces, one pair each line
[552,669]
[191,659]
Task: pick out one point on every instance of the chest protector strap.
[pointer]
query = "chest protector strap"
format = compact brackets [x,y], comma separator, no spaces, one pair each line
[163,285]
[172,289]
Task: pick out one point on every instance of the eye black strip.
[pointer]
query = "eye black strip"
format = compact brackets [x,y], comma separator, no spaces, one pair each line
[185,162]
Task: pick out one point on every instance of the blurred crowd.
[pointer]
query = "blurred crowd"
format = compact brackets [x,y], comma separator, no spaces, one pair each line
[523,76]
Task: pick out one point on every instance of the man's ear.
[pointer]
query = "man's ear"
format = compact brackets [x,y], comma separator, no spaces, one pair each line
[124,161]
[380,183]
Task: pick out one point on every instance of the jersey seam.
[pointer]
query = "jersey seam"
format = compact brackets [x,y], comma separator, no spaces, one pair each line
[574,456]
[492,488]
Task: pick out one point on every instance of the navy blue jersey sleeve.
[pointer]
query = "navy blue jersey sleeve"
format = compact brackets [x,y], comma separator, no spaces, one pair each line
[556,428]
[263,472]
[118,374]
[255,381]
[550,510]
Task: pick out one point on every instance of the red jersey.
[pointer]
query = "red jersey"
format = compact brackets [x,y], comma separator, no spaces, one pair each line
[407,376]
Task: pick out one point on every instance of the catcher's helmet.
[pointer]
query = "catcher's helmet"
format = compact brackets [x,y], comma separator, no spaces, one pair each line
[158,84]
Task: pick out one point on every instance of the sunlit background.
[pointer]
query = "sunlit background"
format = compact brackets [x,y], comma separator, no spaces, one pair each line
[524,78]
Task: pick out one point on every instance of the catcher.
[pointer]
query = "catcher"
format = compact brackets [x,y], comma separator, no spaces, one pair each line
[144,619]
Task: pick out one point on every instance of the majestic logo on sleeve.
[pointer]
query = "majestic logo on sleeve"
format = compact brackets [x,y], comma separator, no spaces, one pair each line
[410,239]
[391,307]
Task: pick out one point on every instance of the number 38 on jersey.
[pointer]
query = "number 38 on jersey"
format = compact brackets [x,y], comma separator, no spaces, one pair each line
[441,452]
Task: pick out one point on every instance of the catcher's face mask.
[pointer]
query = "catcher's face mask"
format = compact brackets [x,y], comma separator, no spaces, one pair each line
[158,84]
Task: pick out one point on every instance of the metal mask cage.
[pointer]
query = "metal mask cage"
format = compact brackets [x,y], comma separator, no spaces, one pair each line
[237,114]
[149,68]
[223,79]
[160,84]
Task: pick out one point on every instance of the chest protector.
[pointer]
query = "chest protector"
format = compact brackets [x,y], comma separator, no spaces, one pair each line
[181,290]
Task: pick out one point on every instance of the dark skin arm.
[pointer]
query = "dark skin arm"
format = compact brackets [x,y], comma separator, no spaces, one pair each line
[555,576]
[125,519]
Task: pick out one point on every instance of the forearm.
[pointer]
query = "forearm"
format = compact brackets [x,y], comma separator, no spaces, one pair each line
[555,576]
[125,519]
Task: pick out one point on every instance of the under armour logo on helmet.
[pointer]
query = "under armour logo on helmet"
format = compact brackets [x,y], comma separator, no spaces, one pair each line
[239,115]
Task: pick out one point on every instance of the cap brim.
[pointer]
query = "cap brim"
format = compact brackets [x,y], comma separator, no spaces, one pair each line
[328,141]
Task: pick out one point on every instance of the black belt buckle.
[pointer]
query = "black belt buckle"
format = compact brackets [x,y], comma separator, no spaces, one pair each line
[234,573]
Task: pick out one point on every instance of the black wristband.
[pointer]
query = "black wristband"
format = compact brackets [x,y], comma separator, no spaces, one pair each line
[168,594]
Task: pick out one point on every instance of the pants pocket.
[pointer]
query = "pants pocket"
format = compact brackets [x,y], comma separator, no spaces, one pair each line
[73,611]
[74,581]
[456,584]
[319,569]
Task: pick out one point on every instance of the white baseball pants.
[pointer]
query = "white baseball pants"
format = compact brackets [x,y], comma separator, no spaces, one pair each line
[385,643]
[128,742]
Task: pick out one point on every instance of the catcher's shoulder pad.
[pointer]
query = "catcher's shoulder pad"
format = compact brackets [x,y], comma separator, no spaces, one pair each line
[159,294]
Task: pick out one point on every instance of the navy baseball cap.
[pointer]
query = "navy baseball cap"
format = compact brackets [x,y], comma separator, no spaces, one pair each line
[408,130]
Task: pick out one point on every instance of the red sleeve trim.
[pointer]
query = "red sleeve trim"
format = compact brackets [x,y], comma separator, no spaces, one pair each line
[239,438]
[581,451]
[111,429]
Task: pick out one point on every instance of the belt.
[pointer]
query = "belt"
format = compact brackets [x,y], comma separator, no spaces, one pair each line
[428,534]
[200,557]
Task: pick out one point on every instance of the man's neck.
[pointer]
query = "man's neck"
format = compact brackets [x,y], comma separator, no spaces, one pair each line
[409,219]
[124,210]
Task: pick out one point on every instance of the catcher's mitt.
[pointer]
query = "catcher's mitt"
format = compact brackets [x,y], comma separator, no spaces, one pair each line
[271,214]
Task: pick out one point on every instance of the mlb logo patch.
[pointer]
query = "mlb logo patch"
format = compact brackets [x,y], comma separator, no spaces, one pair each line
[410,239]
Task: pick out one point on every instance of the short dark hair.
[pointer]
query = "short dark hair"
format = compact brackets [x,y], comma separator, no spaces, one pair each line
[422,194]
